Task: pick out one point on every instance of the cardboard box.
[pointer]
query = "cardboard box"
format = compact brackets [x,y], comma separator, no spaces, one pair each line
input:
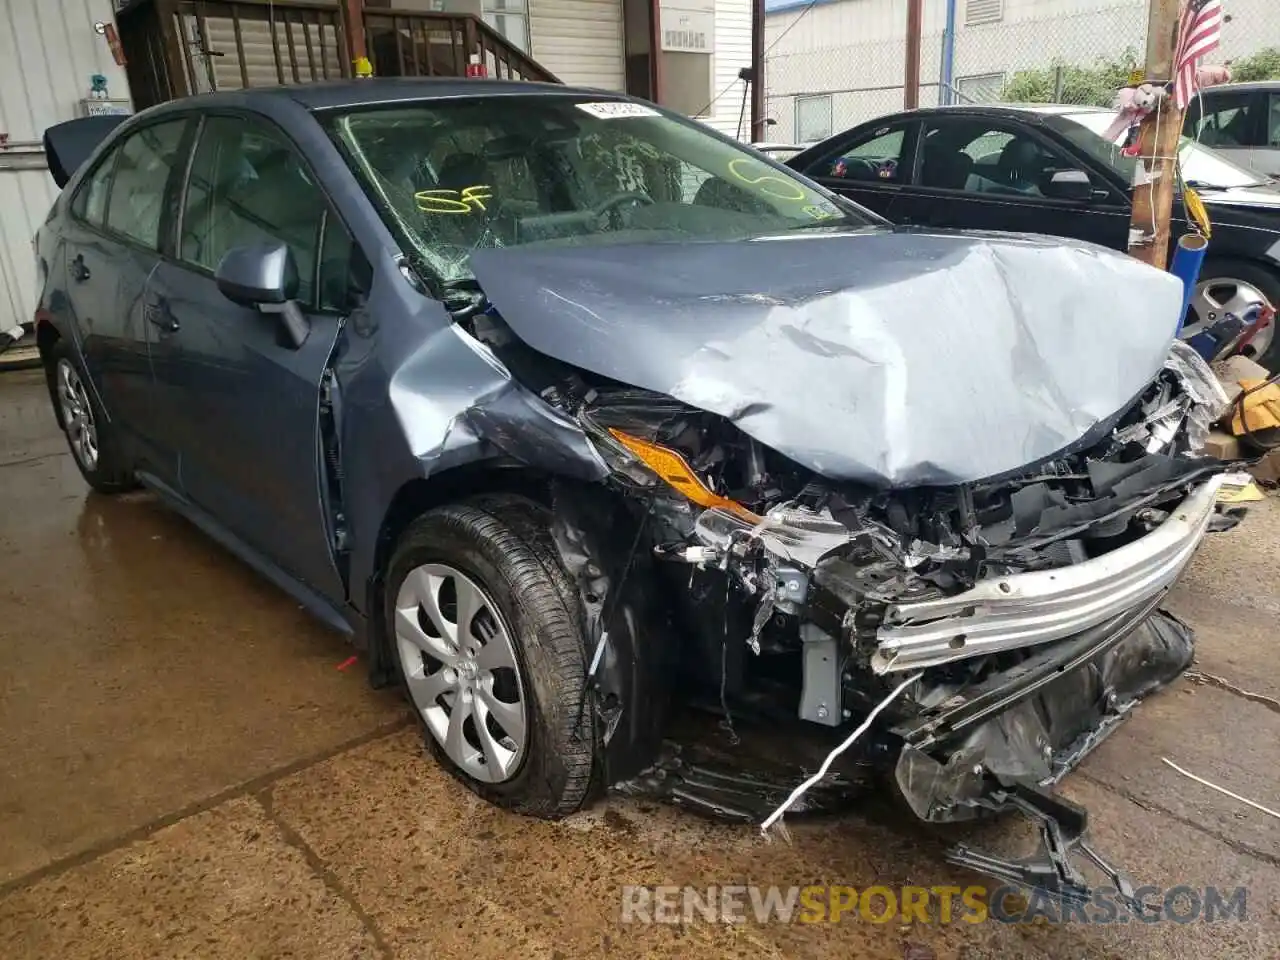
[1267,470]
[1222,445]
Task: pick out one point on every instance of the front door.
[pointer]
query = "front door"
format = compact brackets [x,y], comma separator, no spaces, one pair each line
[118,216]
[242,404]
[980,173]
[869,167]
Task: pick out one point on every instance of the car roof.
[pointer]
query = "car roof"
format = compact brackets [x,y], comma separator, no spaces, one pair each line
[1010,109]
[336,94]
[1247,86]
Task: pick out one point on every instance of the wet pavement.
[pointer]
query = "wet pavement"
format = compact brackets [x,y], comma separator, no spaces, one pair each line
[186,772]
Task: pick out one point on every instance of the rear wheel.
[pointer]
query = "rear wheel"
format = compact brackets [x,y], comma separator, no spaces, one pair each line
[1232,286]
[92,437]
[490,653]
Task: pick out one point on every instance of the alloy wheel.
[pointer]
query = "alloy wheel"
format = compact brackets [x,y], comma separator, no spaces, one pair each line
[1214,298]
[459,662]
[77,415]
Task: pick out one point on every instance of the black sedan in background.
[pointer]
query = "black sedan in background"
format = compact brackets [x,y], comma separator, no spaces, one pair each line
[1048,169]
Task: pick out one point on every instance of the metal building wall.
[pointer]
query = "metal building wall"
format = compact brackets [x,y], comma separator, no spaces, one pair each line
[48,51]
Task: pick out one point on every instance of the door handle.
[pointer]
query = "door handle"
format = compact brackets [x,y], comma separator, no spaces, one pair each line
[79,269]
[158,315]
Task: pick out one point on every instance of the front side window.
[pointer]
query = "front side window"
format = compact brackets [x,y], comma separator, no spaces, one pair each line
[1226,121]
[976,157]
[511,171]
[141,175]
[1200,166]
[248,185]
[876,156]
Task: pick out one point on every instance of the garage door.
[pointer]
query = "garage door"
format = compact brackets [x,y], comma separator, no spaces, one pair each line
[579,41]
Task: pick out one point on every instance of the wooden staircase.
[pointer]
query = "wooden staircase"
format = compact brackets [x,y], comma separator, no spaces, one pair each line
[175,48]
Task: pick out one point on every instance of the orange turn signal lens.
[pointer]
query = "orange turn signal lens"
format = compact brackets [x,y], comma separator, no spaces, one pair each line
[676,472]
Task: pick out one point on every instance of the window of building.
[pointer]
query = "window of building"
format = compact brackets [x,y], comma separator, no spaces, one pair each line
[813,118]
[983,11]
[980,88]
[510,18]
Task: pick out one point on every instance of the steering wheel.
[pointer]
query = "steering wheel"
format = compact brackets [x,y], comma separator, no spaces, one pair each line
[611,205]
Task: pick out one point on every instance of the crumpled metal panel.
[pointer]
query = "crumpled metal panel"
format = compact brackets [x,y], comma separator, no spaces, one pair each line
[1042,738]
[884,356]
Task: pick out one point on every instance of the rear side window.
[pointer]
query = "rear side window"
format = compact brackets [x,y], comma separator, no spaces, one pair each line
[90,203]
[146,160]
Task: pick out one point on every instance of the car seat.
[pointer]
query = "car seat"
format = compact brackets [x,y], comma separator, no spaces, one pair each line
[945,166]
[1021,165]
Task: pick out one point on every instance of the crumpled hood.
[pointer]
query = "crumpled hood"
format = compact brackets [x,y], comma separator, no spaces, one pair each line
[885,356]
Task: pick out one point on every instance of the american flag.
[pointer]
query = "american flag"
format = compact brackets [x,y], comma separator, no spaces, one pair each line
[1199,32]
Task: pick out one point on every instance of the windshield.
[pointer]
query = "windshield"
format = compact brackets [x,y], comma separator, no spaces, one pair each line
[451,176]
[1201,166]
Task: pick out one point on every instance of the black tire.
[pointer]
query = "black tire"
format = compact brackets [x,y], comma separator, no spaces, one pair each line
[110,473]
[1266,281]
[503,544]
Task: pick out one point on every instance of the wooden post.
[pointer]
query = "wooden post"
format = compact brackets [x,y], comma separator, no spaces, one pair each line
[353,11]
[1158,137]
[911,72]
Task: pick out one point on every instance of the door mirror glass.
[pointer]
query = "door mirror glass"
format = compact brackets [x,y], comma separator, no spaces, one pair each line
[258,274]
[1067,185]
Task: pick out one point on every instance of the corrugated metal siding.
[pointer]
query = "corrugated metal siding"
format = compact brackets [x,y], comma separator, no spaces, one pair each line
[732,53]
[48,51]
[579,41]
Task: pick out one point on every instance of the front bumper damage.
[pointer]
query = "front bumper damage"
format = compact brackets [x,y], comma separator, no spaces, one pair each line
[1029,609]
[1016,677]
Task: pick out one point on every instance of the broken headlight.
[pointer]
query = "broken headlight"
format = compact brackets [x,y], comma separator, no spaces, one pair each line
[640,441]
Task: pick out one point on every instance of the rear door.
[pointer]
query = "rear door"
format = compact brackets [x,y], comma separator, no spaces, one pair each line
[117,218]
[240,405]
[984,173]
[870,166]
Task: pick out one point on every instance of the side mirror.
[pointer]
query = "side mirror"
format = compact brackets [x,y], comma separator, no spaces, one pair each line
[260,273]
[265,276]
[1067,185]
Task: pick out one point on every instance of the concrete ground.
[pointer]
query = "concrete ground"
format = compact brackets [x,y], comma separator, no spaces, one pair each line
[185,772]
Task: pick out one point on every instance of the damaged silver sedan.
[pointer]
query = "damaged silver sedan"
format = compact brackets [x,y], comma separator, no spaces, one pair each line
[577,416]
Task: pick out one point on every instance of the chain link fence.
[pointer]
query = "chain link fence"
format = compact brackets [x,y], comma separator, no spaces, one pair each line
[832,64]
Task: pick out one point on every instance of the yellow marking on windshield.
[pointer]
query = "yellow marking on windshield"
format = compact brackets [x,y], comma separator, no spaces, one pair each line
[454,202]
[768,183]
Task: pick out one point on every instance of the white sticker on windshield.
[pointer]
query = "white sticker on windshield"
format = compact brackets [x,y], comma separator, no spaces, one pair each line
[614,109]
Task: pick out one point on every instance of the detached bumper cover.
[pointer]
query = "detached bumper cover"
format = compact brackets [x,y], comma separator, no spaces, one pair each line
[1033,608]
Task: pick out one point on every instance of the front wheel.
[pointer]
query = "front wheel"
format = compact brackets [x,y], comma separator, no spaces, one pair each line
[486,638]
[1233,286]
